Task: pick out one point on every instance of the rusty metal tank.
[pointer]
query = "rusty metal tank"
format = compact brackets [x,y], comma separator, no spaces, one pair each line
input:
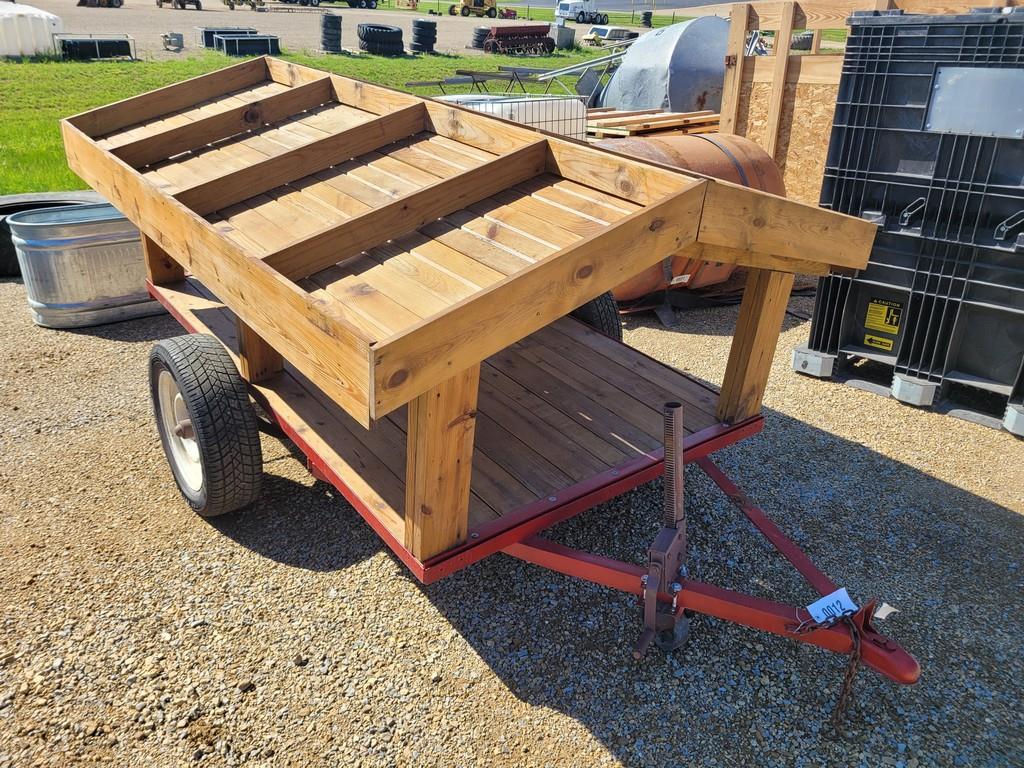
[723,156]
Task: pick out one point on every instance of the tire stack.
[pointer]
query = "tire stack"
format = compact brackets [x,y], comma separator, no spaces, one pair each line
[424,36]
[330,33]
[647,19]
[380,39]
[479,35]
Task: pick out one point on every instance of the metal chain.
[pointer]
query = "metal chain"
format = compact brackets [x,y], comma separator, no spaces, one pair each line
[846,691]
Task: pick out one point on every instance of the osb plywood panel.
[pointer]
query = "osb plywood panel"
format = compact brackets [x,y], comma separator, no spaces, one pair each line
[806,125]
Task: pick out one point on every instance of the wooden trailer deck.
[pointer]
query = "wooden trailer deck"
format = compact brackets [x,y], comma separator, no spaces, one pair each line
[402,257]
[561,414]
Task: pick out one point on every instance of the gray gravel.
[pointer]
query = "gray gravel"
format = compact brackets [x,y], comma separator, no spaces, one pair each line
[137,634]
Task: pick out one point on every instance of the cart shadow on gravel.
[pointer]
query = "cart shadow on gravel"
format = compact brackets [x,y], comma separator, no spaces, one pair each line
[881,528]
[948,559]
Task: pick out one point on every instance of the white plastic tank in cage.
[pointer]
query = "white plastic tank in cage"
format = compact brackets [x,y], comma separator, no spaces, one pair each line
[27,31]
[564,115]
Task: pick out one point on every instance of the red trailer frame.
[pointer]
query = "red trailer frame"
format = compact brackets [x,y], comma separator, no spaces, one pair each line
[516,534]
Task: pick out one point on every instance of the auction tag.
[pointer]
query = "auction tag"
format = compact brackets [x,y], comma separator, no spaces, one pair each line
[832,607]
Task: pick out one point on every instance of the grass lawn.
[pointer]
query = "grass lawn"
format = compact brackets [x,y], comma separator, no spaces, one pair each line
[36,95]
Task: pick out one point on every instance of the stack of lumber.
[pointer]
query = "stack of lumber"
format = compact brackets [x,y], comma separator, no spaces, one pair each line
[605,122]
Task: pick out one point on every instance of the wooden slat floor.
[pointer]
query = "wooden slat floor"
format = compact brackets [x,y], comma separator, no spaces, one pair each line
[390,288]
[555,409]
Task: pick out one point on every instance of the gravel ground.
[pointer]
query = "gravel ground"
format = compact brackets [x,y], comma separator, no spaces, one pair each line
[298,31]
[138,634]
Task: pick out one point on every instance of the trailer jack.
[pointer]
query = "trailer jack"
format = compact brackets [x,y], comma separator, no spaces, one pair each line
[669,597]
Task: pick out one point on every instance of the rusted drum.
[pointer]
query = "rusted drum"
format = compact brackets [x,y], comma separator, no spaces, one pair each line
[723,156]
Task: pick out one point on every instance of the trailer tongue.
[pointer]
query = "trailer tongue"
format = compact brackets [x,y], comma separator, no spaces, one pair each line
[388,277]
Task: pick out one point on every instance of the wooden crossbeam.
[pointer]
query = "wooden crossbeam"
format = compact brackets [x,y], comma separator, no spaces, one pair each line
[406,365]
[331,245]
[207,130]
[294,164]
[163,101]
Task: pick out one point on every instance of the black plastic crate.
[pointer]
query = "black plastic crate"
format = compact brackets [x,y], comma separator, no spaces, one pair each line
[247,45]
[206,34]
[935,311]
[87,48]
[928,126]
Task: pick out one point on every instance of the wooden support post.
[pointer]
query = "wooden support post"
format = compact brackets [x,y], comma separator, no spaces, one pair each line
[438,465]
[257,360]
[783,38]
[735,52]
[161,269]
[753,346]
[816,41]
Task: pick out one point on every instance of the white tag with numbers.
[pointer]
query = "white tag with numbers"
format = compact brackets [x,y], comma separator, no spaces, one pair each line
[832,607]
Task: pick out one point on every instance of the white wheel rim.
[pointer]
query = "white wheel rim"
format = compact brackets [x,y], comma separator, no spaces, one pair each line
[176,421]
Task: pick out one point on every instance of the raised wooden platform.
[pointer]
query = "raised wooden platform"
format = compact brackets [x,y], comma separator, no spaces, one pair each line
[562,413]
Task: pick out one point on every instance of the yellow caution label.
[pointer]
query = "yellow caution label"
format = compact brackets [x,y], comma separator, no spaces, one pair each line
[878,342]
[884,316]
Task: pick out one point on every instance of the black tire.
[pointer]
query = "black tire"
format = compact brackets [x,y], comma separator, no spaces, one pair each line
[604,19]
[314,3]
[492,13]
[580,18]
[453,10]
[601,314]
[465,10]
[378,33]
[223,422]
[421,47]
[802,41]
[372,5]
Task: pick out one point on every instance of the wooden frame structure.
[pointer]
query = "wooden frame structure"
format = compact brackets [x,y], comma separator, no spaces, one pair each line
[376,253]
[786,104]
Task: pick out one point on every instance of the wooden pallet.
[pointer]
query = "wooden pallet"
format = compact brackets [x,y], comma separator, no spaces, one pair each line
[605,122]
[384,246]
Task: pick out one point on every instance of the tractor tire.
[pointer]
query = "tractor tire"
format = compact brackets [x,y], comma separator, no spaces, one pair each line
[492,13]
[601,314]
[207,424]
[379,33]
[465,10]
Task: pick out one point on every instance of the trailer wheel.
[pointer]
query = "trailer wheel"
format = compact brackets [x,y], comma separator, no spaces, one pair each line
[207,424]
[601,314]
[491,13]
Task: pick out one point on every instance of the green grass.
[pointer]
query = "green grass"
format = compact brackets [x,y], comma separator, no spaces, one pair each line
[36,95]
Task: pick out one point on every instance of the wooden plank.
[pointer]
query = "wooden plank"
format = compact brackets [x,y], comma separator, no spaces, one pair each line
[163,101]
[824,69]
[302,161]
[780,63]
[309,333]
[664,119]
[736,218]
[739,19]
[439,463]
[753,346]
[311,254]
[481,131]
[207,130]
[479,326]
[257,360]
[614,174]
[160,267]
[816,42]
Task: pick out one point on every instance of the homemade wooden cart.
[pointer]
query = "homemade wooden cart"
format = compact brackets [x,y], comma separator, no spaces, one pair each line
[389,278]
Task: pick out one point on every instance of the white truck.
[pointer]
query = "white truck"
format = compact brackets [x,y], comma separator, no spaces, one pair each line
[582,11]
